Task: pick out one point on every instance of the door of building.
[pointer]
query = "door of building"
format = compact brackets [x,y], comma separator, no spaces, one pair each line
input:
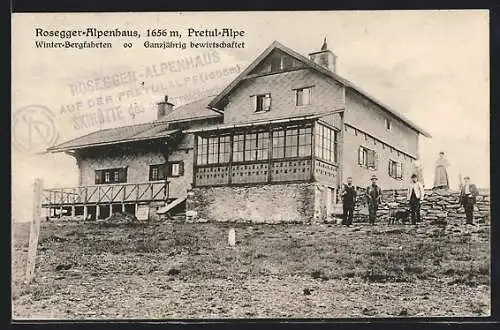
[331,200]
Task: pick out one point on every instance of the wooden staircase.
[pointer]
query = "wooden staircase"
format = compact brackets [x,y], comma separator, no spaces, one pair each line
[175,210]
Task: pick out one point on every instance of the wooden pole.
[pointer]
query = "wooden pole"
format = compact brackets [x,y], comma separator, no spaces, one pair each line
[34,230]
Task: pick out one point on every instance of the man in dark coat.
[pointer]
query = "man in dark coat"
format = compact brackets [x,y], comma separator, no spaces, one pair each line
[374,198]
[348,201]
[468,195]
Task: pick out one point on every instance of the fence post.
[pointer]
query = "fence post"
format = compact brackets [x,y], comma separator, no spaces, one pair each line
[34,230]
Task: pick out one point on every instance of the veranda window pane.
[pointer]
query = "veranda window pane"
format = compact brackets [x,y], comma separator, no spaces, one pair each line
[238,148]
[262,145]
[278,144]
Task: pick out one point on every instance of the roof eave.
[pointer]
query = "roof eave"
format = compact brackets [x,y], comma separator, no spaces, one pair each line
[265,121]
[101,144]
[193,118]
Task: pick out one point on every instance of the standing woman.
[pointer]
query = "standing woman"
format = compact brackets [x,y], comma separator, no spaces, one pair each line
[441,174]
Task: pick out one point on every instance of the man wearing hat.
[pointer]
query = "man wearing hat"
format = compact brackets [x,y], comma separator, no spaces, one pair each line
[415,195]
[374,198]
[348,201]
[468,195]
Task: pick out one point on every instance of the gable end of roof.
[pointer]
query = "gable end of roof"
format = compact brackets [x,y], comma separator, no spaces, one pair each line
[346,83]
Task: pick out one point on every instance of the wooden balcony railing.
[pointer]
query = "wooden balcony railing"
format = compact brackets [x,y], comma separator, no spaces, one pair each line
[106,194]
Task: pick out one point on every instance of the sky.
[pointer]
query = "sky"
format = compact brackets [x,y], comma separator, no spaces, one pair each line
[431,66]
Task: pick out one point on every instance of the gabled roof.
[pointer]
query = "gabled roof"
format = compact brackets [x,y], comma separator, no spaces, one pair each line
[141,132]
[157,129]
[192,111]
[276,45]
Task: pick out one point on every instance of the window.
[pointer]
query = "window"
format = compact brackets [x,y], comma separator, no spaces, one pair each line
[162,171]
[262,145]
[154,173]
[224,148]
[252,146]
[395,170]
[305,140]
[256,146]
[262,102]
[326,143]
[303,96]
[279,143]
[387,124]
[291,142]
[238,147]
[213,150]
[175,169]
[202,151]
[112,175]
[157,172]
[367,158]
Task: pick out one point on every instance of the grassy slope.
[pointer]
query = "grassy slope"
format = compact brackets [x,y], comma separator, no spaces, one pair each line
[186,270]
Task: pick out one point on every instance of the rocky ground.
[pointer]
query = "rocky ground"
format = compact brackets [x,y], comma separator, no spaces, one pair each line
[167,270]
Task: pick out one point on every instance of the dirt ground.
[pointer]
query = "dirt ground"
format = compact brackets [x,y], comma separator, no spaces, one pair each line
[179,270]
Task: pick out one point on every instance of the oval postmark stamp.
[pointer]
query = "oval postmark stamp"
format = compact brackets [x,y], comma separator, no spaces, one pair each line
[33,129]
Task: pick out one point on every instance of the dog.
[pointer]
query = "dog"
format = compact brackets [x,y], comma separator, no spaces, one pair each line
[398,216]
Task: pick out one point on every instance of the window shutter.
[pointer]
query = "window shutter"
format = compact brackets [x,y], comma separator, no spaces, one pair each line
[389,169]
[370,161]
[299,97]
[181,168]
[402,172]
[375,160]
[166,170]
[98,177]
[253,100]
[307,96]
[123,175]
[151,172]
[360,156]
[266,106]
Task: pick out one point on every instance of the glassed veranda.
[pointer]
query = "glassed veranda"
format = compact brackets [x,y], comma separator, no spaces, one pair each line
[264,154]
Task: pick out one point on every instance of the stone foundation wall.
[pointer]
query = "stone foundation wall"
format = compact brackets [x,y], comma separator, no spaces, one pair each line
[437,206]
[275,203]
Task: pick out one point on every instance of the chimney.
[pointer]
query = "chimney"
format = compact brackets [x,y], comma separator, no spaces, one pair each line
[325,57]
[164,107]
